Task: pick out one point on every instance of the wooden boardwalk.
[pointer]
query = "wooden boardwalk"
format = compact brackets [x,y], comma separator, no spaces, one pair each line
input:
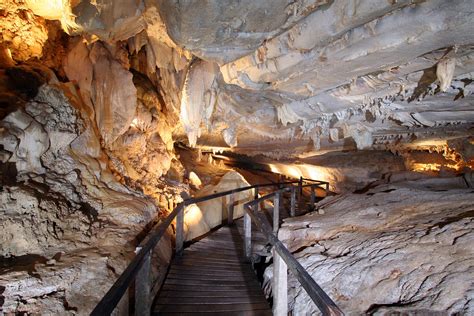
[212,277]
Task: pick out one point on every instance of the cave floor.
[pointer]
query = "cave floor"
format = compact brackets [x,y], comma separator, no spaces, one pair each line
[212,276]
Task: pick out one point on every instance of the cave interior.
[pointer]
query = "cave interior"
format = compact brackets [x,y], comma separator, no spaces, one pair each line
[252,157]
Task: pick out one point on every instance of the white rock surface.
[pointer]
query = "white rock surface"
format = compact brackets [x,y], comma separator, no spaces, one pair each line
[399,248]
[198,98]
[289,72]
[201,218]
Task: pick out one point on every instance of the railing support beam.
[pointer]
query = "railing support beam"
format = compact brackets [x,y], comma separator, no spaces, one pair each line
[276,212]
[143,288]
[230,210]
[180,232]
[247,236]
[300,193]
[293,202]
[313,196]
[280,285]
[256,197]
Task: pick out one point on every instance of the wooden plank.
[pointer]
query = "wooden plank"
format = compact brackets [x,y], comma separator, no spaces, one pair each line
[223,244]
[231,253]
[240,313]
[197,293]
[216,248]
[220,278]
[188,264]
[205,288]
[211,256]
[211,300]
[255,237]
[214,258]
[210,282]
[207,266]
[211,273]
[188,308]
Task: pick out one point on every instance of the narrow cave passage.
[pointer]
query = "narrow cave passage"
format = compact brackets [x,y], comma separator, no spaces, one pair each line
[236,157]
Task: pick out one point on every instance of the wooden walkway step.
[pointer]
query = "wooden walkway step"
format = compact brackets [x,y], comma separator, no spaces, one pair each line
[212,278]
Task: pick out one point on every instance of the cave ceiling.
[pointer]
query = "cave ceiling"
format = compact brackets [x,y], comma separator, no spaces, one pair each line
[289,78]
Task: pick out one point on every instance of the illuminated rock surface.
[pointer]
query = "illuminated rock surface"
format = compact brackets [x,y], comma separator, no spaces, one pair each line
[96,97]
[201,218]
[400,247]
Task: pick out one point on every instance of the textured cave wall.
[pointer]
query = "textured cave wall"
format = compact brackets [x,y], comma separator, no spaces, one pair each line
[86,144]
[95,94]
[331,75]
[65,219]
[400,248]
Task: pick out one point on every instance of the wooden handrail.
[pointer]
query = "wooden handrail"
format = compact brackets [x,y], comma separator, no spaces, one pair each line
[312,180]
[324,303]
[224,193]
[110,300]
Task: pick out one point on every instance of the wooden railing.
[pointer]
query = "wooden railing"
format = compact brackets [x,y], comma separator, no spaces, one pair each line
[282,257]
[138,271]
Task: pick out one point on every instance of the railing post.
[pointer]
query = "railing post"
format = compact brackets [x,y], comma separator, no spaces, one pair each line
[180,231]
[280,285]
[327,188]
[293,201]
[300,186]
[230,210]
[247,236]
[300,193]
[313,196]
[276,212]
[143,288]
[256,197]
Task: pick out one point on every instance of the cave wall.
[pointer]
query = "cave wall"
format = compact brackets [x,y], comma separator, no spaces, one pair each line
[77,193]
[399,248]
[95,95]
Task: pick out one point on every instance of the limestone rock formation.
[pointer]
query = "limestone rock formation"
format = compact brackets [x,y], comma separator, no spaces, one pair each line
[200,218]
[402,247]
[61,203]
[292,70]
[97,97]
